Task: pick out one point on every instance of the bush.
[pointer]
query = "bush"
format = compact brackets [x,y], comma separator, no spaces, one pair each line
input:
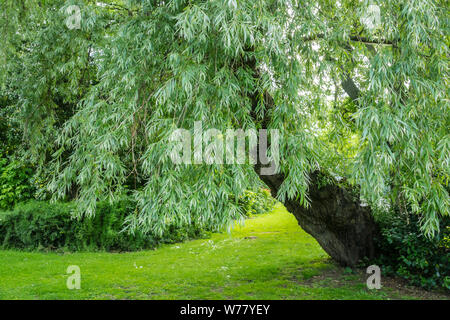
[256,202]
[43,225]
[15,185]
[407,253]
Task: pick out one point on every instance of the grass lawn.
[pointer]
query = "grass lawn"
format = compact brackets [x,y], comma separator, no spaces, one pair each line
[271,257]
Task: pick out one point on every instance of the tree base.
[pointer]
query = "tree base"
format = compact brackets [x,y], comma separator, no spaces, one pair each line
[344,229]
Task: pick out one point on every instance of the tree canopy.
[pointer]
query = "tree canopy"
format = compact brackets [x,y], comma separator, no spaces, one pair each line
[97,102]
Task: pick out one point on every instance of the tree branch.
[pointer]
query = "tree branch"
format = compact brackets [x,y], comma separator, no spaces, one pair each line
[364,40]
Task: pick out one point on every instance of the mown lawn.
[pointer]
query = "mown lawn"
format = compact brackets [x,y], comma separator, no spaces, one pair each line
[269,258]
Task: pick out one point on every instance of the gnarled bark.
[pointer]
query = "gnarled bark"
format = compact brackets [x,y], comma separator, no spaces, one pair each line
[343,228]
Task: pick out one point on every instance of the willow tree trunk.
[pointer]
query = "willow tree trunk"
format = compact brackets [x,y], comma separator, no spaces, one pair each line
[343,228]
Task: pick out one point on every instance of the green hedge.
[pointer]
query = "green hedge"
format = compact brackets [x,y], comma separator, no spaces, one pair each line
[50,226]
[407,253]
[256,202]
[40,225]
[15,185]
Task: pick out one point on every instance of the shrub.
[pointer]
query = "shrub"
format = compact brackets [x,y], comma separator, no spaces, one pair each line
[256,202]
[15,185]
[50,226]
[407,253]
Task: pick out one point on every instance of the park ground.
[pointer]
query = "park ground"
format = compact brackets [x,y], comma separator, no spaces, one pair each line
[270,257]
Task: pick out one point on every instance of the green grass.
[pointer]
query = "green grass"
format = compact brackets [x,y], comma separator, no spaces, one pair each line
[271,257]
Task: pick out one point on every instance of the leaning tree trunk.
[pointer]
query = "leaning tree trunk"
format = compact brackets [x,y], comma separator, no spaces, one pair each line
[343,228]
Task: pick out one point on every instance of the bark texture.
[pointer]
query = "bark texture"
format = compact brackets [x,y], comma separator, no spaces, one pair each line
[343,228]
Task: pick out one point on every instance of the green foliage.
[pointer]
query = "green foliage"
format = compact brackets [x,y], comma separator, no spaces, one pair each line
[407,253]
[43,225]
[15,183]
[256,202]
[98,104]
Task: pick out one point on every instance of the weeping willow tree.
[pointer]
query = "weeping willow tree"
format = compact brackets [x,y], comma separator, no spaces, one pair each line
[357,90]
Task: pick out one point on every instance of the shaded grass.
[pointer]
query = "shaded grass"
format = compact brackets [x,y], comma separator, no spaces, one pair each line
[270,257]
